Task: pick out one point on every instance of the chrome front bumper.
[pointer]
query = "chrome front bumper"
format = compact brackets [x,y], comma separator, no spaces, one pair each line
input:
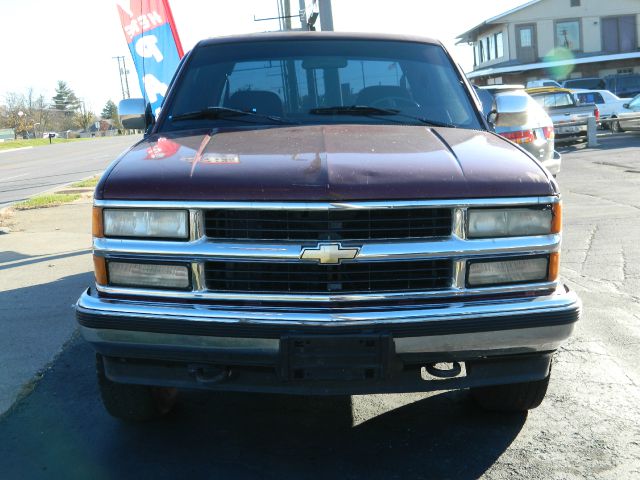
[131,328]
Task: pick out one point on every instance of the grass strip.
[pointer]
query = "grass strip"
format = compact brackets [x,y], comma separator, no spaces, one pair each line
[89,182]
[36,142]
[47,200]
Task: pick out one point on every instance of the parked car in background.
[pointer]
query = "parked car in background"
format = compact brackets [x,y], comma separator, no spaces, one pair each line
[493,89]
[609,105]
[543,82]
[630,115]
[569,118]
[535,134]
[590,83]
[627,85]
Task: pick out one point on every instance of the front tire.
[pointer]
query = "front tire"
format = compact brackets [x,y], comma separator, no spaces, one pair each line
[515,397]
[133,403]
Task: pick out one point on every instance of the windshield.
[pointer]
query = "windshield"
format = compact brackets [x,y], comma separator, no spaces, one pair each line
[311,82]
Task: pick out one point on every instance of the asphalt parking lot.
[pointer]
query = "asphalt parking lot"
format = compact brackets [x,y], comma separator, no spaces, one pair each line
[587,427]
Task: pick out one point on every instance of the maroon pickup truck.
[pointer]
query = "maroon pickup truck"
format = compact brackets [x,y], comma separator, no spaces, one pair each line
[331,214]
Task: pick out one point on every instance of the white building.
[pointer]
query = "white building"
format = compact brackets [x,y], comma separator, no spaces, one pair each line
[556,39]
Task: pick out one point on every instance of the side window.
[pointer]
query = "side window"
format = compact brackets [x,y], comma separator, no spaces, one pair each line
[598,99]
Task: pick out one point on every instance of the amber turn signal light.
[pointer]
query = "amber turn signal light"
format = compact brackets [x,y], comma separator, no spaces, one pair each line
[100,269]
[556,221]
[96,222]
[554,266]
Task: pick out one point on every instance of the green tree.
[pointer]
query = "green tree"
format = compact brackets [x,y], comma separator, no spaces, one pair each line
[110,111]
[65,99]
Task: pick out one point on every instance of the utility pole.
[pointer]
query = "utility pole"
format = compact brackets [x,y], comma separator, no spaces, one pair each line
[122,71]
[303,15]
[326,15]
[287,15]
[126,78]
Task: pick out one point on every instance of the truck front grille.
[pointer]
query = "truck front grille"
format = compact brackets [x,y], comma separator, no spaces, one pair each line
[313,225]
[357,277]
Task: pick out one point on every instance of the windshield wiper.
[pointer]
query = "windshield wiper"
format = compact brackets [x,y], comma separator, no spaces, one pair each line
[215,113]
[363,110]
[368,111]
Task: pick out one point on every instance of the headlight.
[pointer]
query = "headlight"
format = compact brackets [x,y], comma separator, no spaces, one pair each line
[512,222]
[129,222]
[148,275]
[484,273]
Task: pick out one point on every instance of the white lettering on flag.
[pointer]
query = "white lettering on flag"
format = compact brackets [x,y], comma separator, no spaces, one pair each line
[147,47]
[154,87]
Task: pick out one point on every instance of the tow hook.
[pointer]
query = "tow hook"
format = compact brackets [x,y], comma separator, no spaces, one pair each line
[440,370]
[208,374]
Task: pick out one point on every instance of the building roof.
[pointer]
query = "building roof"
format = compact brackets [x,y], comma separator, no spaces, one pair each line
[559,63]
[470,34]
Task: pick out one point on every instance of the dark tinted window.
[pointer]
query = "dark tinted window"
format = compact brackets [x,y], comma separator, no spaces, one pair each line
[619,34]
[290,79]
[590,97]
[586,83]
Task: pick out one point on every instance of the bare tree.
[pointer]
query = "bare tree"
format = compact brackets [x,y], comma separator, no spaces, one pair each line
[83,117]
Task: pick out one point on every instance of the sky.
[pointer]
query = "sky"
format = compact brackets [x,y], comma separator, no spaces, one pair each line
[43,41]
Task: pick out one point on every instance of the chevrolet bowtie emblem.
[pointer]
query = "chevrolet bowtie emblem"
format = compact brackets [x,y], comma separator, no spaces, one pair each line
[329,253]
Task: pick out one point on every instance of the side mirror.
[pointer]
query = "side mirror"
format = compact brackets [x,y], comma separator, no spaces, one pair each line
[511,109]
[625,105]
[132,113]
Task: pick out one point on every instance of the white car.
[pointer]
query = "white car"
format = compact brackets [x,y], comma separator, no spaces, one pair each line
[609,105]
[543,82]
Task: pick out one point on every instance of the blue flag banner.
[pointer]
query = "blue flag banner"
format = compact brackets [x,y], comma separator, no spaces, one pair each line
[154,45]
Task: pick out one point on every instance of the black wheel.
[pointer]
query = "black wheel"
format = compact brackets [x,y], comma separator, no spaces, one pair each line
[515,397]
[133,402]
[615,126]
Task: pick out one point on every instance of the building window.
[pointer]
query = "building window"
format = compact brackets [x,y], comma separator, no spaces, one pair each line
[619,34]
[499,45]
[575,3]
[492,47]
[568,34]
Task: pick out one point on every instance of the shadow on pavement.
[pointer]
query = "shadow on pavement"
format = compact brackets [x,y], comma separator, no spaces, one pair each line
[6,257]
[62,431]
[605,142]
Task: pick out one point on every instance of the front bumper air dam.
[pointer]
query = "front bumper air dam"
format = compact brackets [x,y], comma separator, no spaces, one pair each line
[242,349]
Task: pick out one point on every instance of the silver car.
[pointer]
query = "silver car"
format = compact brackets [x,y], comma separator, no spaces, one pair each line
[629,116]
[535,135]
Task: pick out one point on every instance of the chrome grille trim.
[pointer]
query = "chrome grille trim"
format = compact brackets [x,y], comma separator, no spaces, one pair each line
[442,247]
[373,204]
[452,293]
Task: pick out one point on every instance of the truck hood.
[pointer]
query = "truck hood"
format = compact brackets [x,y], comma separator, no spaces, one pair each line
[324,163]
